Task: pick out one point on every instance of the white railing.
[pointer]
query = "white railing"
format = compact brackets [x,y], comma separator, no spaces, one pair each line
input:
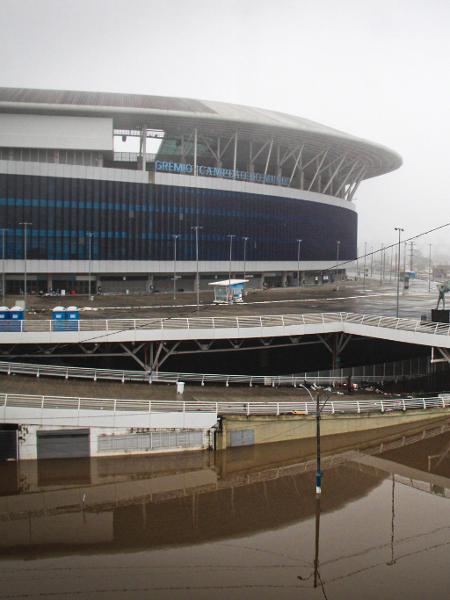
[367,374]
[143,406]
[260,322]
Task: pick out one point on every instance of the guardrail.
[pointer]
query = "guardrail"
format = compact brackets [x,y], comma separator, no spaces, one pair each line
[132,406]
[316,377]
[214,323]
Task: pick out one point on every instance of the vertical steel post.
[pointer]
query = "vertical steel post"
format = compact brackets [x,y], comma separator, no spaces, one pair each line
[175,237]
[3,266]
[196,229]
[25,274]
[245,254]
[429,267]
[365,265]
[338,247]
[399,229]
[299,242]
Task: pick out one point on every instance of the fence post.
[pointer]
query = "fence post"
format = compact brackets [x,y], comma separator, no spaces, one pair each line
[306,408]
[403,403]
[248,409]
[424,403]
[278,409]
[358,407]
[382,407]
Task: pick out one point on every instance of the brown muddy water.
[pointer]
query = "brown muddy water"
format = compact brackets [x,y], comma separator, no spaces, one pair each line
[243,523]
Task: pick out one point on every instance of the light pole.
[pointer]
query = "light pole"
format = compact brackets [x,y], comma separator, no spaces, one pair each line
[3,264]
[245,254]
[338,247]
[399,229]
[175,237]
[371,262]
[89,235]
[365,265]
[299,243]
[25,231]
[196,228]
[231,236]
[429,267]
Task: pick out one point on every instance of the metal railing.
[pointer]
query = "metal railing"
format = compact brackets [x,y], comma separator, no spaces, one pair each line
[143,406]
[367,374]
[244,322]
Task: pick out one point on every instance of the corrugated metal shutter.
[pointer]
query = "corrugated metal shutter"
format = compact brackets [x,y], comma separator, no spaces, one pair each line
[63,443]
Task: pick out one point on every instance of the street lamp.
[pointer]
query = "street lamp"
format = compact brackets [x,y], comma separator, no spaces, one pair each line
[429,267]
[299,242]
[245,254]
[338,247]
[3,264]
[365,265]
[89,235]
[399,229]
[175,237]
[196,228]
[25,231]
[231,236]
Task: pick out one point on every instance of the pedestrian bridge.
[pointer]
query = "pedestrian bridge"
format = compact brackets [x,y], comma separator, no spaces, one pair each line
[409,331]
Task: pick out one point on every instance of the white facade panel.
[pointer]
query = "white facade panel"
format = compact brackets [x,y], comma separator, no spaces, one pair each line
[63,133]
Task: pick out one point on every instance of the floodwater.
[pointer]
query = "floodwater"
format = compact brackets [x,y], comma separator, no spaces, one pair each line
[243,523]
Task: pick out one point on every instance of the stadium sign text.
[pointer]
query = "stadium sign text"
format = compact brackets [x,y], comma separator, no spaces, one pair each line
[205,171]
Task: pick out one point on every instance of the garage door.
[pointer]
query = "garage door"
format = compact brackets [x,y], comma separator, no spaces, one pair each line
[8,442]
[63,443]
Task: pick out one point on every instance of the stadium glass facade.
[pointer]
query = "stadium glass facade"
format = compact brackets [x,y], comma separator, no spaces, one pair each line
[133,221]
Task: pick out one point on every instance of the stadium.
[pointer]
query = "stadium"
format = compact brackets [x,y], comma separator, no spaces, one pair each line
[124,190]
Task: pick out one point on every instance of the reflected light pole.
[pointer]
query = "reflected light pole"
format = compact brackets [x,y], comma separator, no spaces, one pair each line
[25,231]
[299,243]
[175,237]
[399,229]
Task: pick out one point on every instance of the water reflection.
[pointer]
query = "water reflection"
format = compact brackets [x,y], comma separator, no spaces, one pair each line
[241,511]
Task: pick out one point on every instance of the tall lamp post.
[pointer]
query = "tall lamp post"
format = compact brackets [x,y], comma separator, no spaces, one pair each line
[299,242]
[399,229]
[175,237]
[196,228]
[245,254]
[365,265]
[25,236]
[3,264]
[90,235]
[338,247]
[429,267]
[231,236]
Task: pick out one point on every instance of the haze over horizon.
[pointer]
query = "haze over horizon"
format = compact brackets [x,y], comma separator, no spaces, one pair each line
[376,70]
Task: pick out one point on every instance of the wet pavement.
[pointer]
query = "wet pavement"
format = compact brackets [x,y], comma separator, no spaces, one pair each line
[243,523]
[348,296]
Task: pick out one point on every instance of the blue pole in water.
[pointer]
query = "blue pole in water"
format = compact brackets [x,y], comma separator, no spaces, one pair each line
[318,470]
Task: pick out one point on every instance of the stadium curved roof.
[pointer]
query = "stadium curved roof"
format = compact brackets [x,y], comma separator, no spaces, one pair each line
[168,113]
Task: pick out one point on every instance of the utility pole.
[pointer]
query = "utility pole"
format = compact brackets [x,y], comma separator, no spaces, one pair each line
[196,228]
[381,264]
[411,255]
[371,262]
[299,243]
[25,231]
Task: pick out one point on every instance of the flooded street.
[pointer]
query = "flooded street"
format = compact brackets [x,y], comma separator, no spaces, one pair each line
[242,523]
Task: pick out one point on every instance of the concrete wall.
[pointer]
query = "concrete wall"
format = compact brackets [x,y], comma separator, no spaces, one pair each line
[267,429]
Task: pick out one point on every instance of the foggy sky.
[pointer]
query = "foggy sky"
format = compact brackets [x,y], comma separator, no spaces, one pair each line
[377,69]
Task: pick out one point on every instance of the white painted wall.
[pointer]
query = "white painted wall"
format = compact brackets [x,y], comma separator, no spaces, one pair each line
[62,133]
